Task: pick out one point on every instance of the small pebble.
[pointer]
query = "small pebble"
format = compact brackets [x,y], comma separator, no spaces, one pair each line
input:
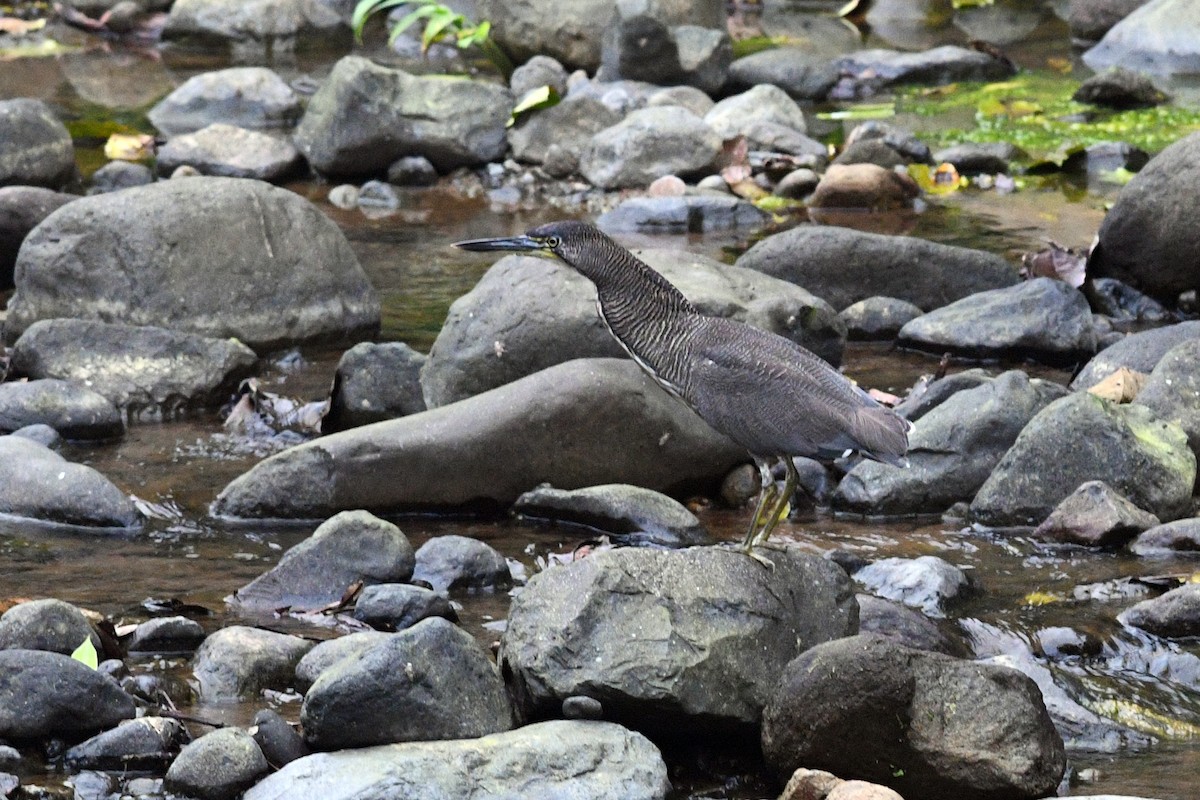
[581,707]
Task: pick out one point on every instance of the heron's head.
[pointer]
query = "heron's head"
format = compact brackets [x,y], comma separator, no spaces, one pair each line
[565,239]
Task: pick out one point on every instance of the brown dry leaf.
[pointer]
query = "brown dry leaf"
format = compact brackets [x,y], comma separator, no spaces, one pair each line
[129,147]
[1058,262]
[1120,387]
[20,27]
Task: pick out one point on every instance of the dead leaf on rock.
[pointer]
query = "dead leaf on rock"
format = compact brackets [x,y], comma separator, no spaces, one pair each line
[1058,262]
[1120,387]
[129,147]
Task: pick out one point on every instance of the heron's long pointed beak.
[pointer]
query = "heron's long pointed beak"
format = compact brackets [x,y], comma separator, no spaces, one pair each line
[520,244]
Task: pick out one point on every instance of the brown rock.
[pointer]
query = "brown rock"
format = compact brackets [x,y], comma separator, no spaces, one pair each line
[864,186]
[810,784]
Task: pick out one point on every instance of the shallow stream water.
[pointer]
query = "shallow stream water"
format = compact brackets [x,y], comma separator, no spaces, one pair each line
[182,464]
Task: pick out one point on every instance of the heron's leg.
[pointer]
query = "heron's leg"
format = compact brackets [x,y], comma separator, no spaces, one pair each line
[766,500]
[784,497]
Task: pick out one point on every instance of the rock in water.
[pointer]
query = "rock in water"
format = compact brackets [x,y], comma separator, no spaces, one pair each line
[674,642]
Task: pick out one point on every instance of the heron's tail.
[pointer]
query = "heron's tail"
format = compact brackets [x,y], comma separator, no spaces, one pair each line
[882,434]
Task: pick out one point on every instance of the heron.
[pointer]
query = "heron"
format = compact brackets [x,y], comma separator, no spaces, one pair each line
[764,392]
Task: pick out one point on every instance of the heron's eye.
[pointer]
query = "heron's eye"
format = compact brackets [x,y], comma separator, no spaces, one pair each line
[553,242]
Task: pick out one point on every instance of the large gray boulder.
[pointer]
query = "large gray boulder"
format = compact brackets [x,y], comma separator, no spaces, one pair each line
[430,681]
[951,450]
[349,547]
[582,423]
[38,483]
[545,761]
[1161,37]
[640,47]
[572,30]
[279,273]
[1173,390]
[1144,240]
[1043,319]
[844,266]
[925,724]
[1139,352]
[648,144]
[1174,614]
[804,75]
[51,694]
[144,371]
[35,147]
[527,314]
[671,639]
[451,122]
[72,409]
[252,20]
[248,97]
[1081,438]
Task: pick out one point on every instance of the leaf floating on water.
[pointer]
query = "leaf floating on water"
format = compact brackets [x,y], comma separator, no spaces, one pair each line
[129,147]
[1042,598]
[86,653]
[1120,387]
[862,111]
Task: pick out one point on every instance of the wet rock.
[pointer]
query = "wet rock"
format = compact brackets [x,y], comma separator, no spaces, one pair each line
[843,266]
[583,423]
[254,21]
[38,483]
[871,151]
[1180,536]
[327,653]
[146,743]
[145,371]
[131,256]
[537,72]
[698,213]
[72,409]
[763,103]
[430,681]
[1043,319]
[51,694]
[1081,438]
[985,158]
[797,184]
[810,784]
[662,140]
[928,583]
[802,74]
[928,394]
[864,186]
[674,641]
[217,766]
[166,635]
[1141,241]
[903,625]
[861,790]
[1096,516]
[1140,352]
[1173,389]
[1097,159]
[22,208]
[35,147]
[1160,38]
[349,547]
[634,514]
[117,175]
[226,150]
[959,728]
[239,662]
[396,606]
[279,741]
[460,562]
[378,195]
[547,759]
[1119,88]
[45,625]
[1091,19]
[877,317]
[248,97]
[375,382]
[952,449]
[527,314]
[569,126]
[91,785]
[903,141]
[412,171]
[1172,615]
[452,123]
[867,72]
[640,47]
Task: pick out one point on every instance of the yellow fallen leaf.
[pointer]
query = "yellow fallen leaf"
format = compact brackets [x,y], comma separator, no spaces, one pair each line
[129,147]
[1121,386]
[942,180]
[1042,598]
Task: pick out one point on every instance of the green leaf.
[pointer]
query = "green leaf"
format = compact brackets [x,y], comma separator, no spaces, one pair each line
[366,8]
[435,29]
[86,653]
[862,111]
[541,97]
[472,36]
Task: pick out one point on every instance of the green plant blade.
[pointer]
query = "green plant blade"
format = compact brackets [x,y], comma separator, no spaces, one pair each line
[86,653]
